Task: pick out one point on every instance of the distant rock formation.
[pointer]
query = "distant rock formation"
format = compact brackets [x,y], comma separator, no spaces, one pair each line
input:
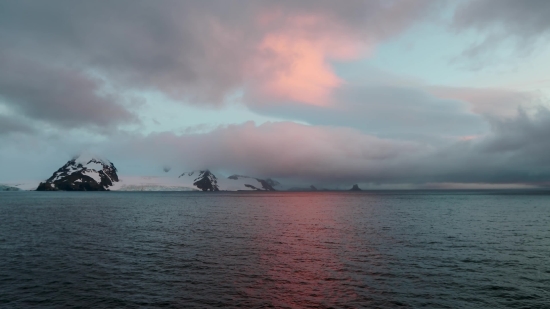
[205,180]
[355,188]
[304,189]
[266,184]
[82,173]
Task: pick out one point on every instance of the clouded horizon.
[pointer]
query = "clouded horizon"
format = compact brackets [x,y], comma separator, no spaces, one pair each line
[407,92]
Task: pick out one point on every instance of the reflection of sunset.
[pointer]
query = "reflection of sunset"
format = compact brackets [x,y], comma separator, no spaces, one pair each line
[304,253]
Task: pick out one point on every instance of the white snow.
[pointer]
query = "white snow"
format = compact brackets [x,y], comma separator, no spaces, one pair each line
[73,169]
[227,184]
[170,182]
[8,188]
[92,174]
[149,183]
[224,183]
[86,164]
[86,157]
[25,185]
[57,176]
[189,178]
[94,166]
[146,187]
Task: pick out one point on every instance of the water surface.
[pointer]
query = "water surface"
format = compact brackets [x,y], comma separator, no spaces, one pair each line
[274,250]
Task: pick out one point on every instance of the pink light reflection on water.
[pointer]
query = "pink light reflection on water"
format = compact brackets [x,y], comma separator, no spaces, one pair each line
[304,254]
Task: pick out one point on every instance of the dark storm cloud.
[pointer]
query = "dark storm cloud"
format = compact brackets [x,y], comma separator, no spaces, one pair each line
[63,96]
[515,151]
[523,136]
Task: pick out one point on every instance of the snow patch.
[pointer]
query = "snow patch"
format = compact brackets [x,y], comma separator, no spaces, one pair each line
[85,157]
[148,183]
[26,185]
[94,166]
[93,174]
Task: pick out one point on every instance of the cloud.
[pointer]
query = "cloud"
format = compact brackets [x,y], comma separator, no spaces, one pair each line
[524,19]
[282,149]
[492,102]
[67,97]
[393,106]
[200,52]
[386,110]
[70,65]
[293,65]
[294,60]
[521,23]
[9,124]
[515,151]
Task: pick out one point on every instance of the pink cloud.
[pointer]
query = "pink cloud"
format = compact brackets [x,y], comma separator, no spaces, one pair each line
[337,155]
[282,149]
[293,62]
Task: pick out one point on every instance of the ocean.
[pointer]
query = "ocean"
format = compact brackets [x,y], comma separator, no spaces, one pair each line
[394,249]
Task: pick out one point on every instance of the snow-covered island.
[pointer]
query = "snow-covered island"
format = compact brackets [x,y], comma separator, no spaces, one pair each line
[93,173]
[82,173]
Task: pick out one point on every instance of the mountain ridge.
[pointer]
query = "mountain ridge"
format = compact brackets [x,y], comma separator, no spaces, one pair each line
[82,173]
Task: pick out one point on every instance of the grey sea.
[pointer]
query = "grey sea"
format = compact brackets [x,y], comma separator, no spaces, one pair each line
[403,249]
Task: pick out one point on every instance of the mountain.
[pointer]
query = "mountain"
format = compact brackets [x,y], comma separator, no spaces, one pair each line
[82,173]
[92,173]
[355,188]
[204,180]
[200,180]
[252,183]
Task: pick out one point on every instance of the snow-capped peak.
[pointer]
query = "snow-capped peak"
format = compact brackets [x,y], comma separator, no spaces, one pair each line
[82,173]
[86,157]
[204,180]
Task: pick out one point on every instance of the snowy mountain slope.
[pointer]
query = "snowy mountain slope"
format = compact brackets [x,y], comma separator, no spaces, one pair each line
[202,180]
[150,183]
[83,173]
[26,185]
[205,180]
[8,188]
[239,182]
[92,173]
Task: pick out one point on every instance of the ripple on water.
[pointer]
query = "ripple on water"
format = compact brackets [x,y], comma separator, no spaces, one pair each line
[275,250]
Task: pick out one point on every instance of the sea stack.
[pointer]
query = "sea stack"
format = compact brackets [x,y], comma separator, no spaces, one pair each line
[355,188]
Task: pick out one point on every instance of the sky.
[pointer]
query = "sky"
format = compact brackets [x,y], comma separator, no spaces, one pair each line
[388,93]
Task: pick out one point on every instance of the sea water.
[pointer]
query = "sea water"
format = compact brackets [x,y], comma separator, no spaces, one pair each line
[275,250]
